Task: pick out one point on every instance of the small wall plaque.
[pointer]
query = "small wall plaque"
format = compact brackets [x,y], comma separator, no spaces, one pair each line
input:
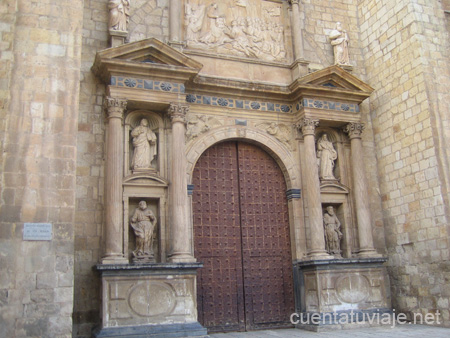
[37,232]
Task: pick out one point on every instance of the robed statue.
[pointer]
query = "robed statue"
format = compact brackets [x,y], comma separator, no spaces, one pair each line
[144,143]
[143,223]
[339,40]
[333,232]
[119,14]
[326,155]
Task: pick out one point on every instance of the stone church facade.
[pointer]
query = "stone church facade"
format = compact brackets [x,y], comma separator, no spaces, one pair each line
[202,166]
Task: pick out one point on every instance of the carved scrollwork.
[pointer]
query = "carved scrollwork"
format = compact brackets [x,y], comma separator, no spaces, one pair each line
[199,124]
[280,131]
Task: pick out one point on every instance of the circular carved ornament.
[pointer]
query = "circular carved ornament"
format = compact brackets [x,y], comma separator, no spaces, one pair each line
[150,299]
[318,104]
[345,107]
[191,98]
[285,108]
[255,105]
[352,289]
[166,86]
[130,82]
[222,102]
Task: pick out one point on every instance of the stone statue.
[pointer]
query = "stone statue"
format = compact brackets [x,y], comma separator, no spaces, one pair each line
[143,223]
[119,14]
[333,233]
[339,41]
[326,155]
[144,143]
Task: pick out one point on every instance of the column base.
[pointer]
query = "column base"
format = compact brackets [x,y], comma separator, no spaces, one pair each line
[368,253]
[154,331]
[341,293]
[182,258]
[114,259]
[149,300]
[319,255]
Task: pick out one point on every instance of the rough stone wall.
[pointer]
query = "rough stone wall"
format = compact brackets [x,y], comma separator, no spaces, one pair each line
[147,19]
[406,56]
[39,84]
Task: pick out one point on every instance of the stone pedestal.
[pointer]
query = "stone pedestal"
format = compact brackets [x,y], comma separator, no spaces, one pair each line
[149,300]
[337,293]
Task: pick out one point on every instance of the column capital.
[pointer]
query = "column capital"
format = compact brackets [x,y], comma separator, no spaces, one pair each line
[177,112]
[354,130]
[307,126]
[115,107]
[294,2]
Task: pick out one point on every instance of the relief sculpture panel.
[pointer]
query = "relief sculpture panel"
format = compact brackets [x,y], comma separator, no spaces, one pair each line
[247,28]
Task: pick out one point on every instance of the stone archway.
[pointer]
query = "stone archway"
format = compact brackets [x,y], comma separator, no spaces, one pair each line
[241,234]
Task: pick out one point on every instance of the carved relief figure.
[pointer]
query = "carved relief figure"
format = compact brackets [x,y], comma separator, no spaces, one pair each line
[333,234]
[144,143]
[143,223]
[280,131]
[235,27]
[199,124]
[119,14]
[339,41]
[194,21]
[326,155]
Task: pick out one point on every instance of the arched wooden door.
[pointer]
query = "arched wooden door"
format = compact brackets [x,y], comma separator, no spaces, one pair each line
[241,234]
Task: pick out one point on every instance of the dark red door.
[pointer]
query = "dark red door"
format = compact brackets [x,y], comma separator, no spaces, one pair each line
[241,234]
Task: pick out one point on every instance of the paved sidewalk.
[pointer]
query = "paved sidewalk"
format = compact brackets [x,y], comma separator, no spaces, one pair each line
[417,331]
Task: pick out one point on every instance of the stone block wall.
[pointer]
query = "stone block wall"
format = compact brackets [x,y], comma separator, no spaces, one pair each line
[39,83]
[147,19]
[406,57]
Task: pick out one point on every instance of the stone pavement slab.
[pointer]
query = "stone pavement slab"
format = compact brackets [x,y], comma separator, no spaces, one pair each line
[409,331]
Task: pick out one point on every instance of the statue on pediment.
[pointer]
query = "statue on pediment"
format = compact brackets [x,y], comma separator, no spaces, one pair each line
[339,41]
[119,15]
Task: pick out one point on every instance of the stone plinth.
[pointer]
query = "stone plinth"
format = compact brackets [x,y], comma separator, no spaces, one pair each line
[151,300]
[340,292]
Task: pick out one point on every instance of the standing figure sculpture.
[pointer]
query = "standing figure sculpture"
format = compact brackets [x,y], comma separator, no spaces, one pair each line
[333,233]
[143,223]
[339,41]
[119,14]
[144,143]
[326,155]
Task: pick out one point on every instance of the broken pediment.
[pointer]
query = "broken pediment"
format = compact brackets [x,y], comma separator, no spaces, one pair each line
[149,57]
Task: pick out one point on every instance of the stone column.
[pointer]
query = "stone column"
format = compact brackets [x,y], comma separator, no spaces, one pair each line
[113,182]
[296,30]
[175,8]
[316,242]
[361,196]
[180,232]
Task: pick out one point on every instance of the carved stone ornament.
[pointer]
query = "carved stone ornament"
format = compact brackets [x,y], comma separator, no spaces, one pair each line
[115,107]
[332,230]
[199,124]
[177,112]
[307,126]
[339,40]
[280,131]
[249,28]
[354,130]
[326,155]
[143,223]
[119,15]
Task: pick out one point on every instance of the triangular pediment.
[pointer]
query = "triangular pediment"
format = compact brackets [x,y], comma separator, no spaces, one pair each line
[149,56]
[335,77]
